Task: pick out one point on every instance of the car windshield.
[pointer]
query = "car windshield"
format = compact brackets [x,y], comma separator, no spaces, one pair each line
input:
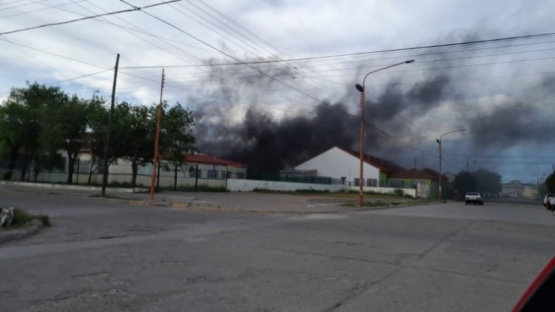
[473,194]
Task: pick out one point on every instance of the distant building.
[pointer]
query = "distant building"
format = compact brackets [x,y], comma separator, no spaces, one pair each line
[425,181]
[516,188]
[342,164]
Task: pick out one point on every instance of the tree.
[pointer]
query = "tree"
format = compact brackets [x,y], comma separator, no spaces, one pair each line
[176,134]
[65,124]
[135,130]
[464,182]
[550,183]
[11,121]
[488,181]
[20,122]
[483,181]
[96,134]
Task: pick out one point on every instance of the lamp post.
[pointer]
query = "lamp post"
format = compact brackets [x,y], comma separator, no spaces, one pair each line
[361,89]
[440,158]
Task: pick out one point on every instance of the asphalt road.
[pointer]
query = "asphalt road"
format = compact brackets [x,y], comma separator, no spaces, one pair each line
[109,256]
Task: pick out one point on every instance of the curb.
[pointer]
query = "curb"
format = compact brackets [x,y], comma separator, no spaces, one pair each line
[18,234]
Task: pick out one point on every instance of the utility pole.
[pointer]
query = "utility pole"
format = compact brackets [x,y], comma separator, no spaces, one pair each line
[157,139]
[439,178]
[111,116]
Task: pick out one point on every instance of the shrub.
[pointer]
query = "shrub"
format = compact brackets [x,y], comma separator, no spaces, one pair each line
[398,193]
[21,217]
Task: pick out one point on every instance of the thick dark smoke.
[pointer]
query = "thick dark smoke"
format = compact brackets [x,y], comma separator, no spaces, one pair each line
[268,144]
[239,122]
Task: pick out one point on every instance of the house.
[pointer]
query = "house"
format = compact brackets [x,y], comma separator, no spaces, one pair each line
[197,169]
[516,188]
[338,163]
[425,181]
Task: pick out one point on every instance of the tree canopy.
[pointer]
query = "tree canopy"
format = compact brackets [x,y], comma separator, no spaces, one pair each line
[483,181]
[40,126]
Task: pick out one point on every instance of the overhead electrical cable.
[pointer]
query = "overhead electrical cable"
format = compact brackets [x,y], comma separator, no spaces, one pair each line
[87,17]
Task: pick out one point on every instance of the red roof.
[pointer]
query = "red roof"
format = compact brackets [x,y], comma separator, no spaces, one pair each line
[211,160]
[380,163]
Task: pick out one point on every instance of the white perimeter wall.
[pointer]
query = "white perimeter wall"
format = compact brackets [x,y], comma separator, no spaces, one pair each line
[337,163]
[382,190]
[240,185]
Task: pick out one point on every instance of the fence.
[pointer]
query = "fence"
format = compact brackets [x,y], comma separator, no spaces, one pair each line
[185,179]
[293,178]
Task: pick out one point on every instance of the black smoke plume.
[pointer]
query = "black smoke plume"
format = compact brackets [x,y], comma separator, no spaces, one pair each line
[238,119]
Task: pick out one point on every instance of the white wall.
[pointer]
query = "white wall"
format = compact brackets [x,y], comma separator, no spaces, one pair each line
[240,185]
[337,163]
[382,190]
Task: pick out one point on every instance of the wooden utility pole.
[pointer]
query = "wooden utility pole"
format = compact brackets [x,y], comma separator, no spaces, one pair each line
[157,139]
[111,116]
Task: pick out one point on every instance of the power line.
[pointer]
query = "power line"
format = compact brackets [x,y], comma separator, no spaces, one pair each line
[18,6]
[248,41]
[137,29]
[50,53]
[373,52]
[69,79]
[88,17]
[42,9]
[227,54]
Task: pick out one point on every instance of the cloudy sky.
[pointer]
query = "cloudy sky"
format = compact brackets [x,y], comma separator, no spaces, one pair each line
[246,65]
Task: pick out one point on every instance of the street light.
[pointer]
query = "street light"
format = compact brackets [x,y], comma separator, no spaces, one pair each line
[361,89]
[439,143]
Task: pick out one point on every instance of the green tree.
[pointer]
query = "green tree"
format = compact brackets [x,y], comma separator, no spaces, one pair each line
[20,122]
[176,134]
[488,181]
[134,130]
[483,181]
[65,125]
[464,182]
[12,118]
[96,134]
[550,183]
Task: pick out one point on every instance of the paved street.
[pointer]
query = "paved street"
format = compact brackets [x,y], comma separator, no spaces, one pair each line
[110,256]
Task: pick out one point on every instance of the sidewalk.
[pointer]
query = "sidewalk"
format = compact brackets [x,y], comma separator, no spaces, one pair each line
[205,201]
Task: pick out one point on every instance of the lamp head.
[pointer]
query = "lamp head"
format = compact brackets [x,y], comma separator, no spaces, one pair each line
[359,88]
[409,61]
[438,141]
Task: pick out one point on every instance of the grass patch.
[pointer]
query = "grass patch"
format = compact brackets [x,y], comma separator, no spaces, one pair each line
[21,218]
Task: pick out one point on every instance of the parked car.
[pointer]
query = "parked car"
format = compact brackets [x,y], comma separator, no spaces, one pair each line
[547,198]
[551,205]
[473,198]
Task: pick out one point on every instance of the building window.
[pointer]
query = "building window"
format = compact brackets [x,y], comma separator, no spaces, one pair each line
[211,174]
[224,174]
[240,175]
[193,172]
[372,182]
[356,181]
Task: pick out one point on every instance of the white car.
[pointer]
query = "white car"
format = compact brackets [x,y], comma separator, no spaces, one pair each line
[547,199]
[551,205]
[473,198]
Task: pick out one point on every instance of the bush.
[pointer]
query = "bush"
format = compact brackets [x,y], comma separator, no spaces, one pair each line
[398,193]
[21,217]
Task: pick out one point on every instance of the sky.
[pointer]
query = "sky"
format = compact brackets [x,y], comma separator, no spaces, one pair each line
[275,79]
